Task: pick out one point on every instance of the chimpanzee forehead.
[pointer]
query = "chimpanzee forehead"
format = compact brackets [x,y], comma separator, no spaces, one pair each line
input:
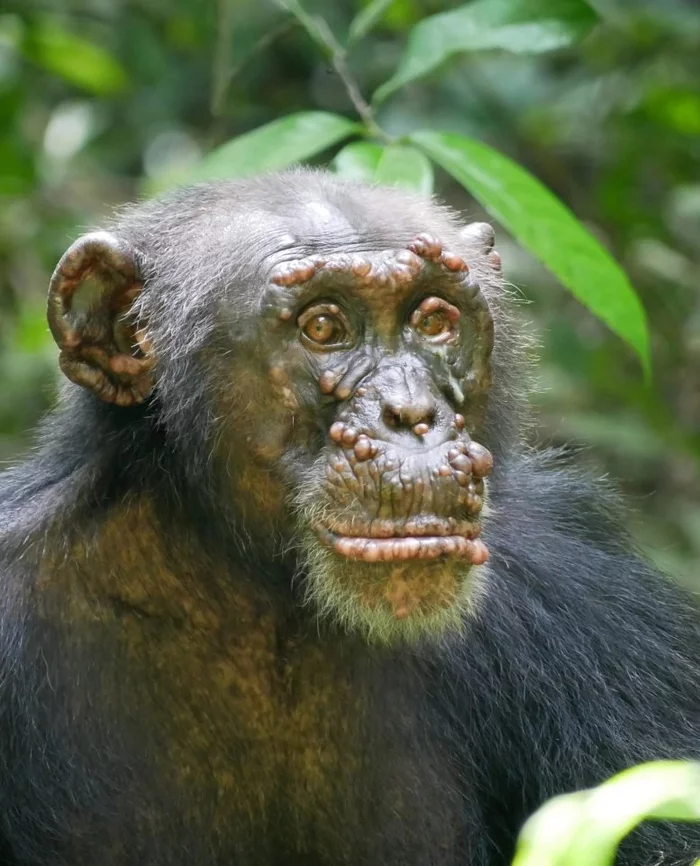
[379,279]
[237,235]
[361,221]
[322,229]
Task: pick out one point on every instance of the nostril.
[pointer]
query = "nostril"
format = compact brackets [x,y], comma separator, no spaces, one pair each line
[391,417]
[409,416]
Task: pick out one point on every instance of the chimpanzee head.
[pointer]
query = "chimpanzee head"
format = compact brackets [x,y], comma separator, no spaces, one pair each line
[332,366]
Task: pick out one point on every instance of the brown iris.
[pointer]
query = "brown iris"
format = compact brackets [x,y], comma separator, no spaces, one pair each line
[320,329]
[436,320]
[323,326]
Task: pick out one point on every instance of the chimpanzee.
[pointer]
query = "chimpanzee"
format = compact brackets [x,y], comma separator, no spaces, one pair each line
[282,583]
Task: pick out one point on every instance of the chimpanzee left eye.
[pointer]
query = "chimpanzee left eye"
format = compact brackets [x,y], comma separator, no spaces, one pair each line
[436,320]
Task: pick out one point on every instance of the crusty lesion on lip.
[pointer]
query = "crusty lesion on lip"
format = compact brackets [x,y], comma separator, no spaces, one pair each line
[418,526]
[418,537]
[378,524]
[402,548]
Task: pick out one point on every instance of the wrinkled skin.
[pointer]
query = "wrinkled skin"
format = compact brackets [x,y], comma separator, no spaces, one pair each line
[395,346]
[282,585]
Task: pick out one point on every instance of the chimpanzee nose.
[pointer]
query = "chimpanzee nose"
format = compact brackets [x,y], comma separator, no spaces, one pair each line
[406,411]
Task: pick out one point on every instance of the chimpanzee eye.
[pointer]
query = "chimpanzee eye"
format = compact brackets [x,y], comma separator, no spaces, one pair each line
[433,324]
[436,320]
[323,327]
[320,329]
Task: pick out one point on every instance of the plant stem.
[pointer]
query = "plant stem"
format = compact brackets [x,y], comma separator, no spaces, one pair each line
[323,36]
[339,59]
[222,52]
[265,42]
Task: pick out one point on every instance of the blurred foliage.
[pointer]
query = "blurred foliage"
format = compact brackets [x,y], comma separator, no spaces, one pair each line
[102,101]
[585,828]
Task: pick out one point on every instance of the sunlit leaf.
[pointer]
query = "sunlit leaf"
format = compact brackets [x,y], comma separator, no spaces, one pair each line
[276,145]
[73,58]
[546,838]
[358,160]
[401,165]
[547,228]
[521,26]
[366,18]
[587,827]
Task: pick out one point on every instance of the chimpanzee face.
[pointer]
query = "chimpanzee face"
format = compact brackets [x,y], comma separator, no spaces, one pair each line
[377,368]
[345,393]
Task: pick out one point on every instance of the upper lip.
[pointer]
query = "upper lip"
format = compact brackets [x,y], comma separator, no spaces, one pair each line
[419,526]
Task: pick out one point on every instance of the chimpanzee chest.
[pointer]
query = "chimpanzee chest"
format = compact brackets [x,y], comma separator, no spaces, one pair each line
[255,743]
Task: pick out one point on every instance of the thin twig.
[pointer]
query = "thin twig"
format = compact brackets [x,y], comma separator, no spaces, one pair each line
[323,36]
[222,55]
[339,59]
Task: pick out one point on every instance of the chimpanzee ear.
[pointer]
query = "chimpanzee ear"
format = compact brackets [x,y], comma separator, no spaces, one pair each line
[90,299]
[480,237]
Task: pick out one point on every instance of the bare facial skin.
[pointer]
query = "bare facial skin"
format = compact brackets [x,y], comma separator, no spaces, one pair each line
[400,342]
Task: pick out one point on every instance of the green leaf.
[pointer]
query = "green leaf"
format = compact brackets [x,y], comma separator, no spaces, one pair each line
[587,827]
[73,58]
[366,18]
[276,145]
[401,165]
[547,228]
[358,160]
[520,26]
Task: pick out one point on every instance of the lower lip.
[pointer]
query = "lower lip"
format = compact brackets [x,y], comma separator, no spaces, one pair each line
[408,548]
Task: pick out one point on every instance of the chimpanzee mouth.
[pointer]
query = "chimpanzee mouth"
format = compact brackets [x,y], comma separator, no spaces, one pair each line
[420,538]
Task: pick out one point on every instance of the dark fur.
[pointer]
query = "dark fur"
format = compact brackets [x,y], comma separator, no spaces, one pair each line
[582,660]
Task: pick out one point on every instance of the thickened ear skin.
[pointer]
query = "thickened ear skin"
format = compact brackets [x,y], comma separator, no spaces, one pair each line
[101,347]
[481,236]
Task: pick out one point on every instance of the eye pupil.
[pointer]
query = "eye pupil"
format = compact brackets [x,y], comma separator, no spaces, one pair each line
[436,320]
[322,328]
[321,325]
[434,323]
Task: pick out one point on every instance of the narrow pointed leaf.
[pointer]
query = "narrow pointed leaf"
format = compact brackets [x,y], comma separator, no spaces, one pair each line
[358,160]
[407,167]
[520,26]
[276,145]
[547,228]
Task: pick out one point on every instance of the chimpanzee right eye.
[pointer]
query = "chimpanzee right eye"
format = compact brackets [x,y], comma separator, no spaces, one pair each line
[323,327]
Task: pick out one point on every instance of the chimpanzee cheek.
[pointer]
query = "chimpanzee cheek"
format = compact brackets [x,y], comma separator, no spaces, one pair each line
[254,412]
[280,383]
